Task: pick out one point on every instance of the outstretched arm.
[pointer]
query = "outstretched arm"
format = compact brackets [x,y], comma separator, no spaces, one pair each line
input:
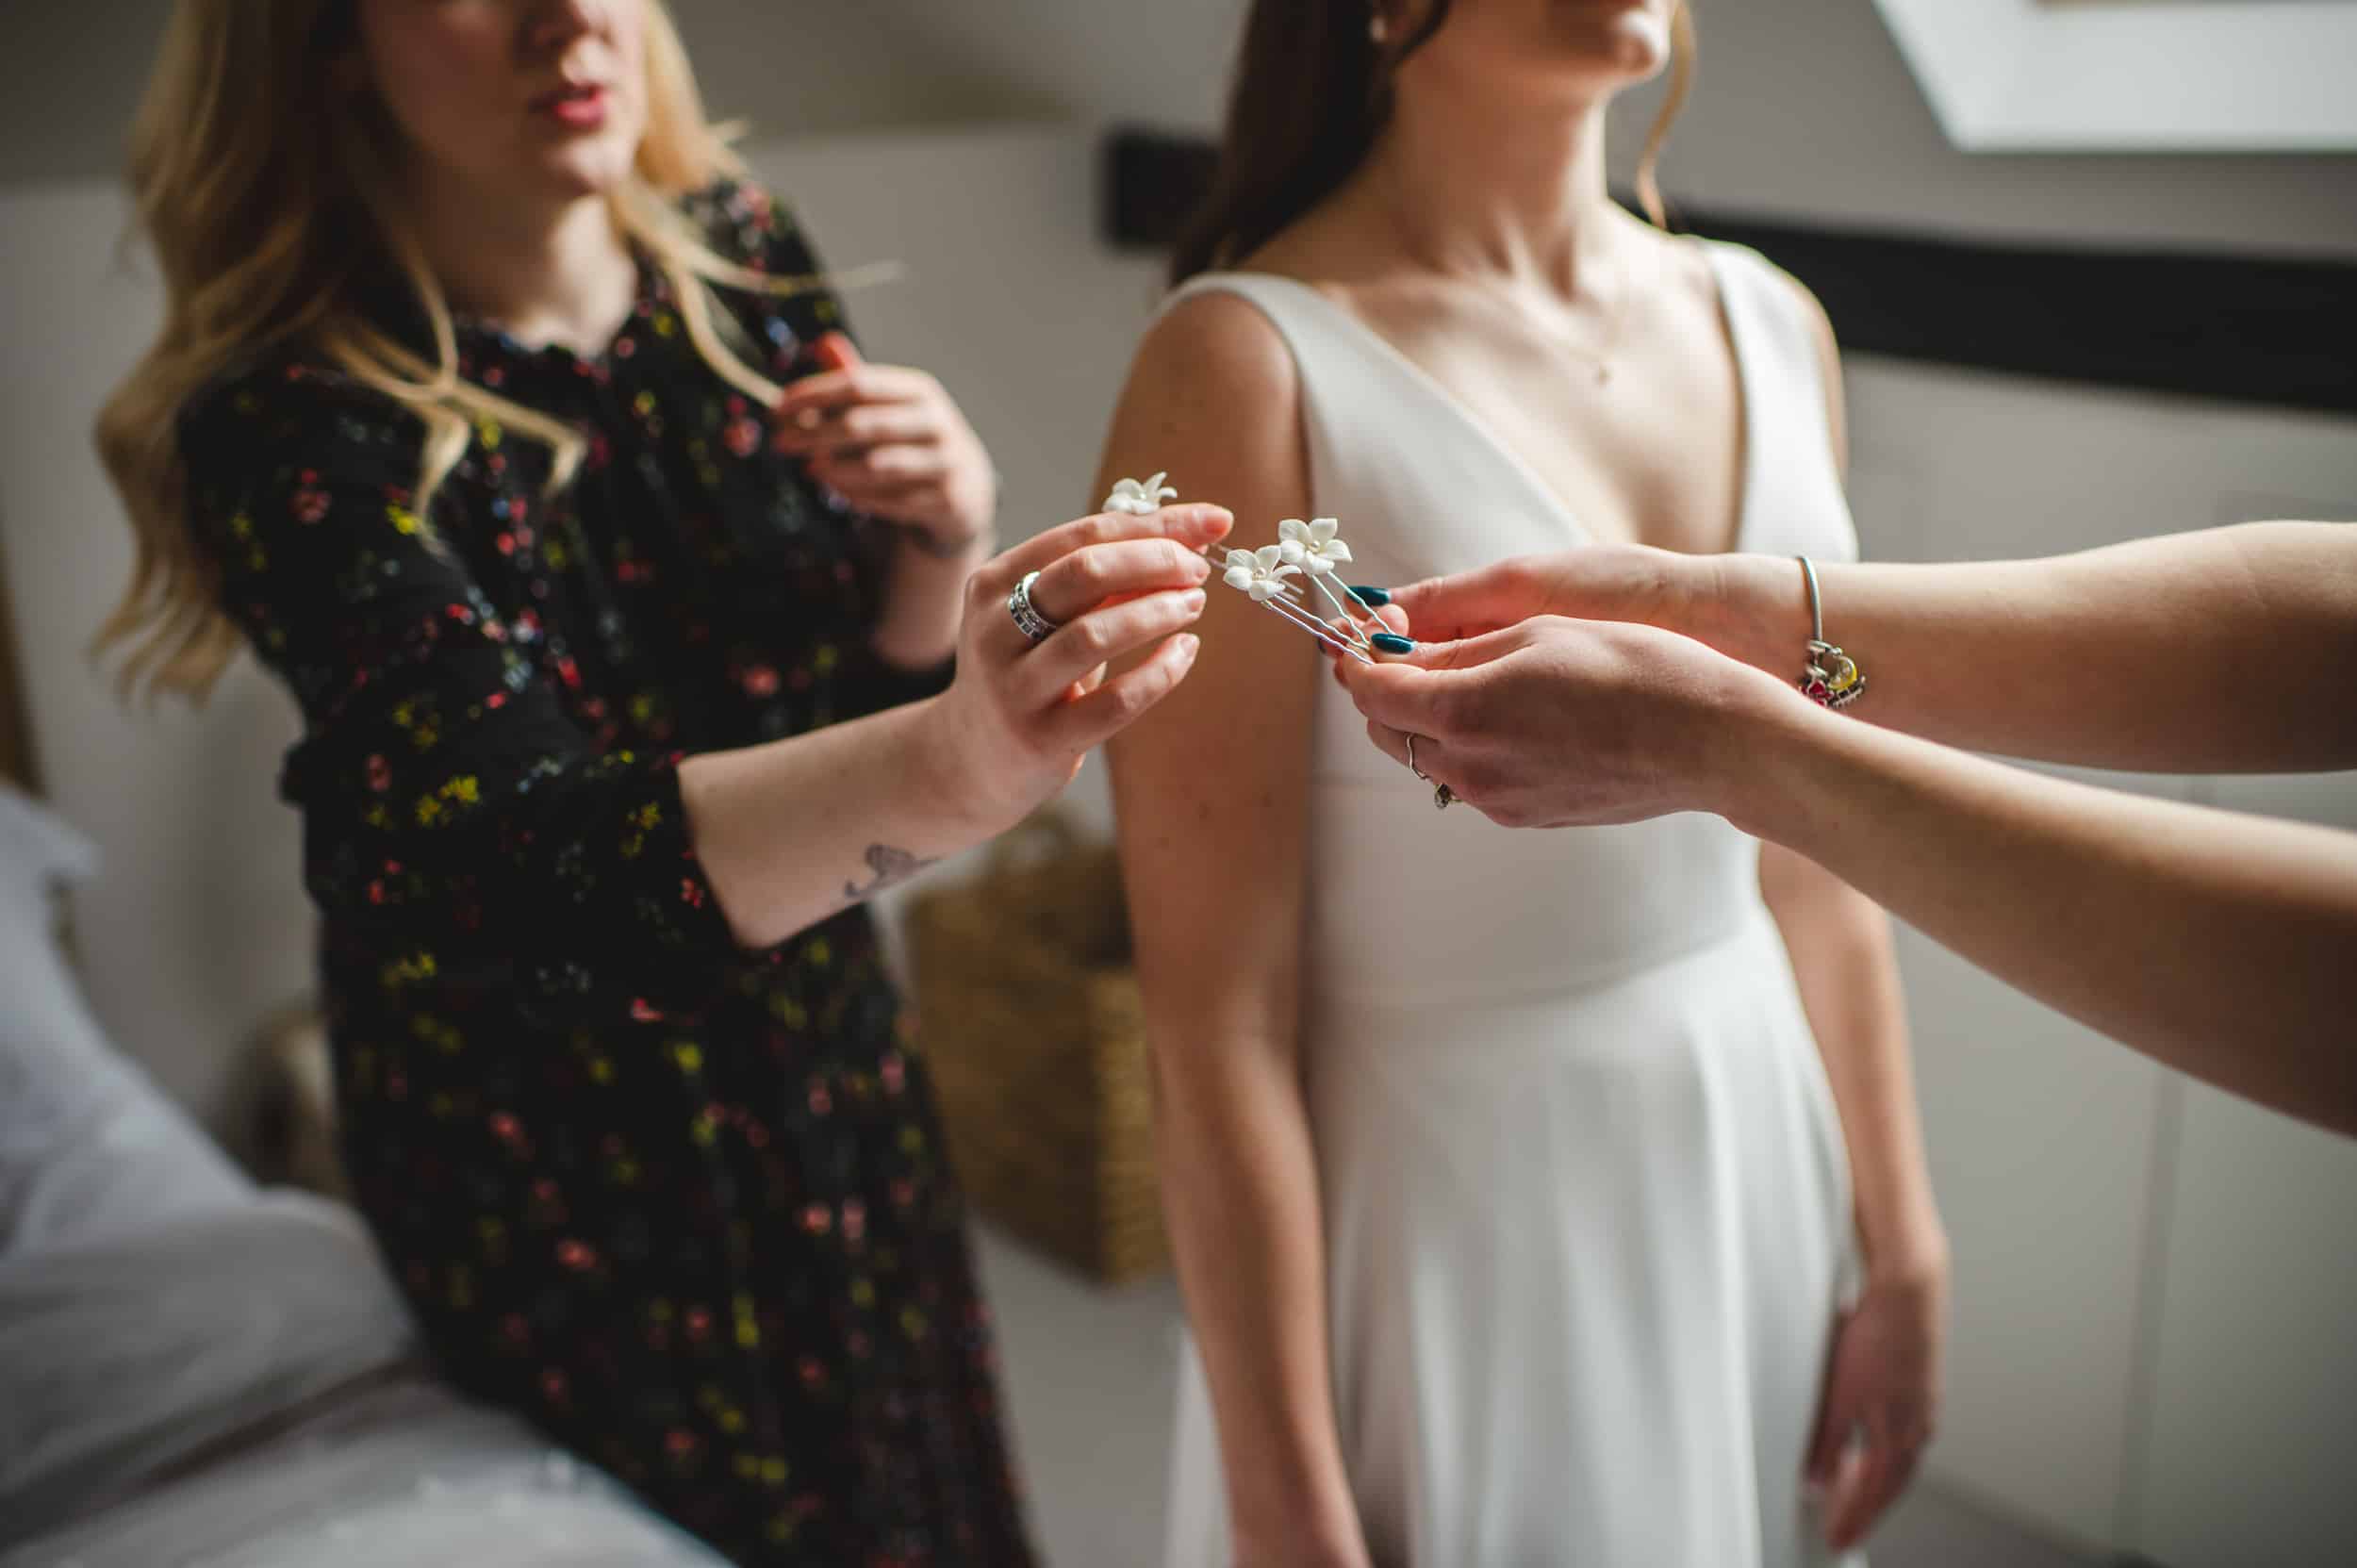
[2227,650]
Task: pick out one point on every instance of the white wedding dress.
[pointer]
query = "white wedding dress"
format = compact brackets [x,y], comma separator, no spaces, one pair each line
[1585,1201]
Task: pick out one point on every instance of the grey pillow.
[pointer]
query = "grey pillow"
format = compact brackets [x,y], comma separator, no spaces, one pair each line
[89,1148]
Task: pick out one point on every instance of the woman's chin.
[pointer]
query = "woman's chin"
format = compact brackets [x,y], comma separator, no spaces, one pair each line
[1627,45]
[588,170]
[1641,41]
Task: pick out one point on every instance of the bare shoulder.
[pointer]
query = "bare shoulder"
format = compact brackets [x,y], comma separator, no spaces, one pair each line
[1214,349]
[1213,399]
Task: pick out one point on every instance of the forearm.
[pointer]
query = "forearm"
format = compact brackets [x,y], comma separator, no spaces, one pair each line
[918,628]
[1848,976]
[794,831]
[2222,651]
[1240,1194]
[2216,944]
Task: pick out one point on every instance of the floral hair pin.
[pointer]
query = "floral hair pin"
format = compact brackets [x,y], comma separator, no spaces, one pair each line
[1271,576]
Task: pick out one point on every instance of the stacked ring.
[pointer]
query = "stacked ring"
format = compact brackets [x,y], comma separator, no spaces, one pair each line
[1027,617]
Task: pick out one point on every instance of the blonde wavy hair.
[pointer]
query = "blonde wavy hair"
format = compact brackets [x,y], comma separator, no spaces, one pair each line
[266,194]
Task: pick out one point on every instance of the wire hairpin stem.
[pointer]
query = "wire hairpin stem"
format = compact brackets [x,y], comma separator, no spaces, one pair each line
[1307,551]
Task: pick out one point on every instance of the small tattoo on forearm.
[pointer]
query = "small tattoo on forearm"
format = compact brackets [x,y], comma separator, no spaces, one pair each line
[890,867]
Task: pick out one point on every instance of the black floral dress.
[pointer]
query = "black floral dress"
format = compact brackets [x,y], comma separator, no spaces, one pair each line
[682,1205]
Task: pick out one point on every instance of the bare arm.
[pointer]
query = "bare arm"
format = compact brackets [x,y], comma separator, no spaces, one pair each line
[1210,795]
[2226,650]
[795,830]
[1885,1371]
[2217,944]
[1842,958]
[2214,943]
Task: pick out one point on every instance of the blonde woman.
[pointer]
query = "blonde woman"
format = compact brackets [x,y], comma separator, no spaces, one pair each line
[1538,1199]
[623,649]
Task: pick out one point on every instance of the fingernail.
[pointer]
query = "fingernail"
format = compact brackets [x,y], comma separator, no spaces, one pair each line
[1192,600]
[1376,597]
[1392,642]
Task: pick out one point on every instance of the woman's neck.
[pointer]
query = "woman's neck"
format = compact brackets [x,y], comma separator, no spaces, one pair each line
[560,273]
[1490,187]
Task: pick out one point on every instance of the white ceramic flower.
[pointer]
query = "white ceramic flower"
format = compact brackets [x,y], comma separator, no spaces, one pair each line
[1139,498]
[1260,573]
[1316,546]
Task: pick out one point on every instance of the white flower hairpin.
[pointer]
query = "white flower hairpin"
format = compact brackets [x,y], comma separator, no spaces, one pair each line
[1262,573]
[1137,497]
[1316,546]
[1271,576]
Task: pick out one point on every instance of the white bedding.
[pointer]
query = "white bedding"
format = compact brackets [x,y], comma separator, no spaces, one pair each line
[157,1310]
[408,1476]
[129,1354]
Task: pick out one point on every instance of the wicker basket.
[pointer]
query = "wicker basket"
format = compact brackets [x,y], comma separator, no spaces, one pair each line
[1036,1037]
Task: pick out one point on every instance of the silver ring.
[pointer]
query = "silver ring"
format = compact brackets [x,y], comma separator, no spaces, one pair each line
[1027,617]
[1442,797]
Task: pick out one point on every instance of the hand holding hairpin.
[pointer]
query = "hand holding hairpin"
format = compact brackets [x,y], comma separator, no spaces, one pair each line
[1271,576]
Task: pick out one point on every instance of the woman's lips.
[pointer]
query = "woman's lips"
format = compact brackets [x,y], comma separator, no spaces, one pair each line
[576,106]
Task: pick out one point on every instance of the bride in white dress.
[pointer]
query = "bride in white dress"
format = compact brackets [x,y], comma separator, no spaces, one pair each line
[1537,1197]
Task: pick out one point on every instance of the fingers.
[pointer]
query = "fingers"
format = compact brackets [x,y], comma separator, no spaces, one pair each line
[1397,697]
[835,351]
[1073,584]
[815,431]
[885,468]
[1886,1467]
[1097,638]
[1091,720]
[1836,1419]
[1444,609]
[1416,690]
[1194,526]
[1430,758]
[813,398]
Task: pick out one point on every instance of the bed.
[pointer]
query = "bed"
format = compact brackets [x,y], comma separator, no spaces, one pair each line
[199,1371]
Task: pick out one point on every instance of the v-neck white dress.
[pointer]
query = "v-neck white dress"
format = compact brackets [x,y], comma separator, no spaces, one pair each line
[1586,1202]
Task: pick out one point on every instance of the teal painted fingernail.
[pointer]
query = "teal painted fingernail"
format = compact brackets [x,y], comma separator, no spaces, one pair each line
[1392,642]
[1376,597]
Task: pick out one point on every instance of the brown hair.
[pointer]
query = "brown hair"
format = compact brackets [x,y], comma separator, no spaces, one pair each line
[266,197]
[1312,90]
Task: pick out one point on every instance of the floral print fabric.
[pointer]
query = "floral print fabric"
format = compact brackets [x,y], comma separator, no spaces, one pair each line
[684,1205]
